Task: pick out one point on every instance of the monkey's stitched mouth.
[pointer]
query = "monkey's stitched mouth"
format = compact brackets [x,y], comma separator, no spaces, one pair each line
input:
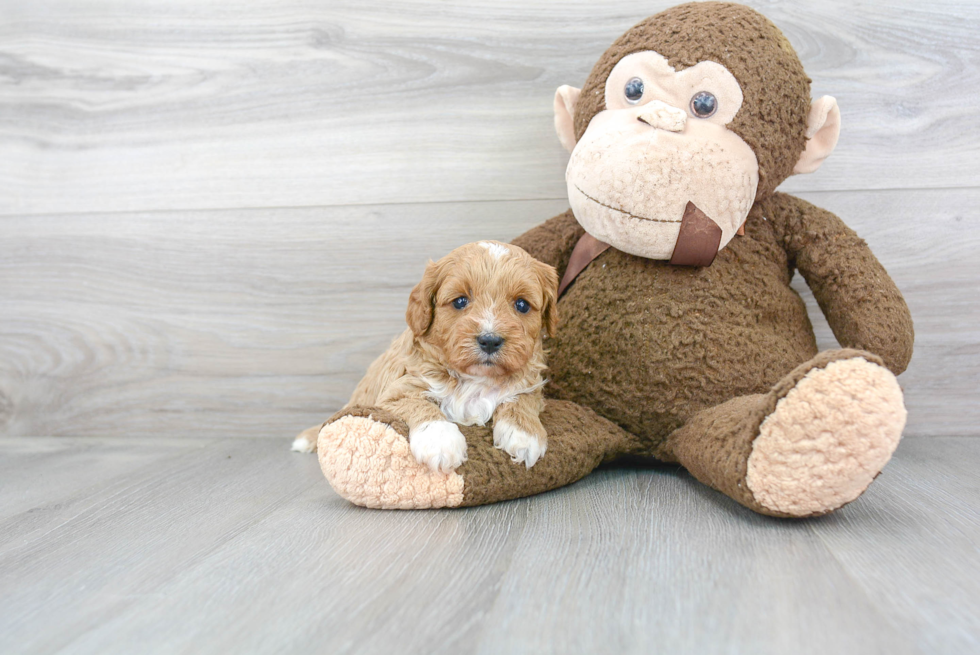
[623,211]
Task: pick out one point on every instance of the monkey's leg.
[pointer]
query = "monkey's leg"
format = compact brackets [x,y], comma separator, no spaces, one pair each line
[364,453]
[812,444]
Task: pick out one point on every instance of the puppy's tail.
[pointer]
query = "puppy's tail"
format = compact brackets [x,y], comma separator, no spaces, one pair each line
[306,441]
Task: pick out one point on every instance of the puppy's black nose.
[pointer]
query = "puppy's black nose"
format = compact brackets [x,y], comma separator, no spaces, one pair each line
[490,343]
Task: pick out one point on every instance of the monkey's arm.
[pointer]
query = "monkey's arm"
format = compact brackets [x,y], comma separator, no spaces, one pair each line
[552,242]
[861,302]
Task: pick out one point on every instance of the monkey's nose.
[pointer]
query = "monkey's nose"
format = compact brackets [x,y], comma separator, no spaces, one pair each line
[490,343]
[662,116]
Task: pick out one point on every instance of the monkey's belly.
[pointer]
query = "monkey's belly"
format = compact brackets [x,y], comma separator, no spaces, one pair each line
[647,345]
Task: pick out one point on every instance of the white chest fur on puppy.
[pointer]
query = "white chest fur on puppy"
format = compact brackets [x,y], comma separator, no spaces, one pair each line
[473,400]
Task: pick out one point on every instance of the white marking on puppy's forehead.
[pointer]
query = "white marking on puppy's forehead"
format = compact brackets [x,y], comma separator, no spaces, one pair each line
[498,250]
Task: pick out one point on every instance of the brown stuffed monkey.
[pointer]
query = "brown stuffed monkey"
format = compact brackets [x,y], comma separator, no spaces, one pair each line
[681,338]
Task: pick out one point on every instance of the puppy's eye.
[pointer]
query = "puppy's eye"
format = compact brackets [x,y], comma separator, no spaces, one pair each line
[522,306]
[633,90]
[461,302]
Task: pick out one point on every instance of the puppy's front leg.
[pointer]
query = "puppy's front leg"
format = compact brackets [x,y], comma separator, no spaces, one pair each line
[435,442]
[517,430]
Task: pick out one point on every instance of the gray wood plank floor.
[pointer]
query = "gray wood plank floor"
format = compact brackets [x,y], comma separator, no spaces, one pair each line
[229,545]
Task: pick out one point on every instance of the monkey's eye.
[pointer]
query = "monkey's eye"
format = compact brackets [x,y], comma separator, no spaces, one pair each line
[704,104]
[522,306]
[461,302]
[634,90]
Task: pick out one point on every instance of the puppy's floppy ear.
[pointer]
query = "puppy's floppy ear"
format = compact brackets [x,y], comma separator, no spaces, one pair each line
[548,277]
[421,302]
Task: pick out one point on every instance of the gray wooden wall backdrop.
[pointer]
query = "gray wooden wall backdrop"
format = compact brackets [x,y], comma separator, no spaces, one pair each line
[211,213]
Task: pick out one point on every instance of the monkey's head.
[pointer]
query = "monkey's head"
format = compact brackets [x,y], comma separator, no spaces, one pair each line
[689,118]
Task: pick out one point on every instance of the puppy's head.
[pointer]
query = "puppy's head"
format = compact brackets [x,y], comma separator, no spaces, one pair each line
[485,307]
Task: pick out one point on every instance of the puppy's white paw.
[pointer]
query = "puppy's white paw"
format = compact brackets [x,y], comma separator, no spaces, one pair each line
[521,446]
[302,444]
[439,445]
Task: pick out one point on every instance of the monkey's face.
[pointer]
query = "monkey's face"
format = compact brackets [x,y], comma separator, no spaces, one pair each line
[661,143]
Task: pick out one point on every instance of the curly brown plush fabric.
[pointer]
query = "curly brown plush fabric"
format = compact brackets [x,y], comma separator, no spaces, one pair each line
[775,87]
[648,345]
[578,441]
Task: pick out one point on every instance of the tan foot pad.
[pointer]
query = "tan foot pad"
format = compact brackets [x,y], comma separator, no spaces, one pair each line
[827,439]
[370,464]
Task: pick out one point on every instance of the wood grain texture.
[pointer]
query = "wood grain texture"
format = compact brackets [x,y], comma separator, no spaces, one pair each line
[33,472]
[111,105]
[241,546]
[120,540]
[928,511]
[260,322]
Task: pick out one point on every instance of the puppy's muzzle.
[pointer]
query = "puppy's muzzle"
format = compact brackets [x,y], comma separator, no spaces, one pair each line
[490,343]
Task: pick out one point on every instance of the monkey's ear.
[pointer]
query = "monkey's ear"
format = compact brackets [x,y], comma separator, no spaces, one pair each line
[822,131]
[565,99]
[421,301]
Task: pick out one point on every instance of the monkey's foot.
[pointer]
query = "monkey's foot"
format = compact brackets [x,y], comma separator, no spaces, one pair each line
[827,438]
[367,460]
